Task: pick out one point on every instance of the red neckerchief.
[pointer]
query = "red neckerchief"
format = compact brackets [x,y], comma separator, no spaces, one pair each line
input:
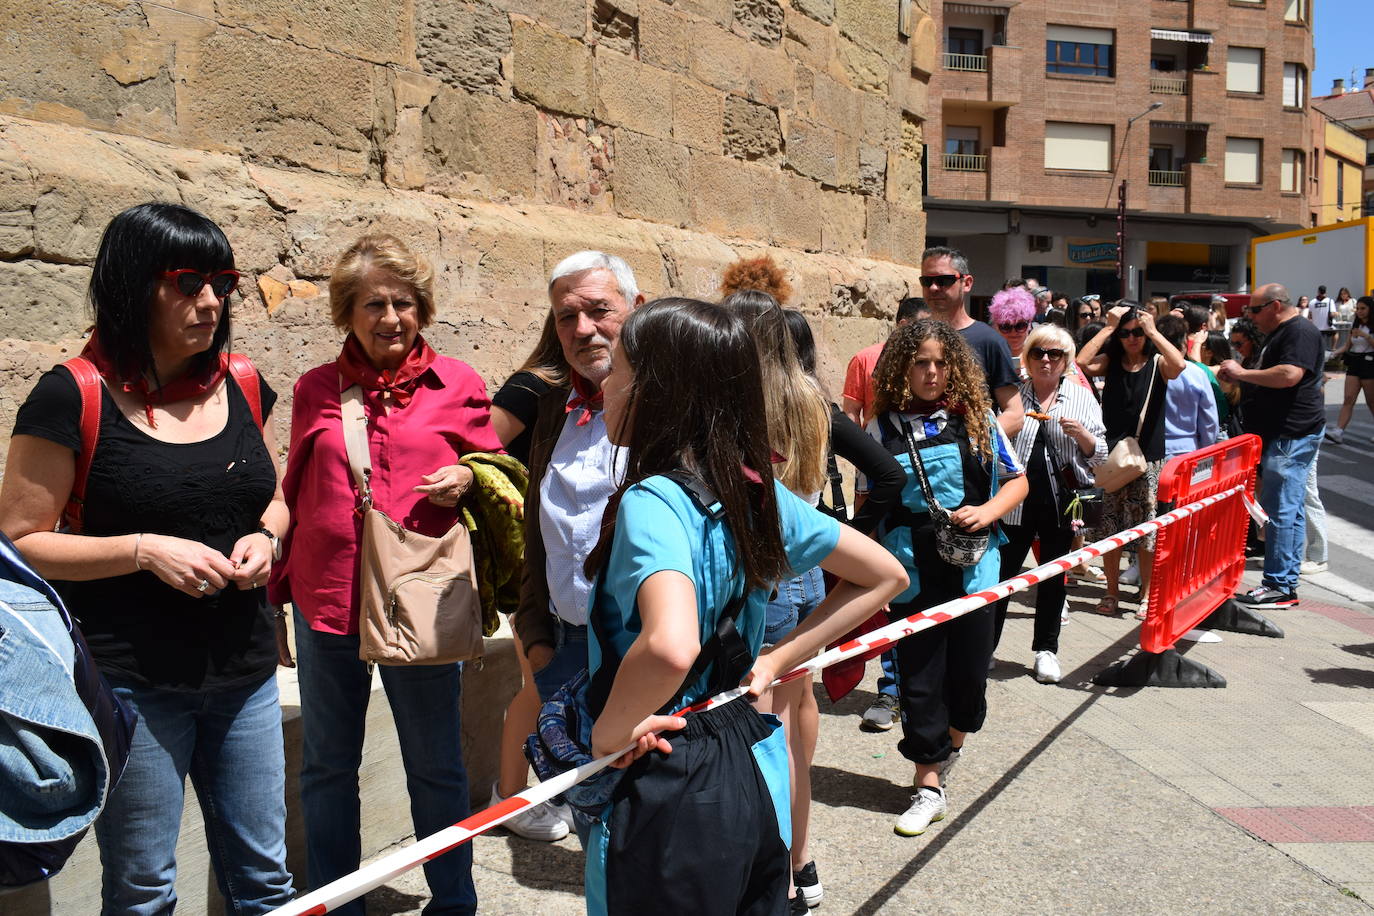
[397,384]
[188,386]
[929,408]
[583,399]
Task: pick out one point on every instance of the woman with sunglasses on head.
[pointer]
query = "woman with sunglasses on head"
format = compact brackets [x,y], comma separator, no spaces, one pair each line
[165,559]
[1062,440]
[700,530]
[1137,363]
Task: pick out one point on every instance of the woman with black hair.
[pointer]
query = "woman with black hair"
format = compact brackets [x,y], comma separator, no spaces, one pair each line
[698,531]
[1359,365]
[165,558]
[1138,363]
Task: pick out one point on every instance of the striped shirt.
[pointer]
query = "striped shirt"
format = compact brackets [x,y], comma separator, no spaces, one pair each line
[1072,401]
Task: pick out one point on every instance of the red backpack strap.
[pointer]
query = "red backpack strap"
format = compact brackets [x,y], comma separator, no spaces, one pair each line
[246,374]
[88,383]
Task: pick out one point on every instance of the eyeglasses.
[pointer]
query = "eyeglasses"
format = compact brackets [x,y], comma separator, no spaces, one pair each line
[1042,353]
[1086,314]
[941,280]
[190,282]
[1256,309]
[1132,332]
[1018,326]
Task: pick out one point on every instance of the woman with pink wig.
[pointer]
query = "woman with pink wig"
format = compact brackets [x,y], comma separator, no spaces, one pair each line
[1012,312]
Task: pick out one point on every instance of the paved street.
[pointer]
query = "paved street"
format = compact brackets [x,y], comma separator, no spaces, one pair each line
[1256,798]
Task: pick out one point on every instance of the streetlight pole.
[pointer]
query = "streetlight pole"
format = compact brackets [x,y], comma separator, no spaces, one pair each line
[1123,272]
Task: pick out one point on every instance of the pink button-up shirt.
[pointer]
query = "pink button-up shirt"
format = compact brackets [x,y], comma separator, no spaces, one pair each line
[449,415]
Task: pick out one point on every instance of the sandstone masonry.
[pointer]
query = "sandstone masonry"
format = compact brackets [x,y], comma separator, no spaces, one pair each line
[496,136]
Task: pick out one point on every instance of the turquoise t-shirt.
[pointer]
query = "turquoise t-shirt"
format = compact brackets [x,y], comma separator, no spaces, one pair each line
[659,527]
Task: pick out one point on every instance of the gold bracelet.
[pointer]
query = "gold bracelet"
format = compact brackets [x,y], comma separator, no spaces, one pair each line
[138,542]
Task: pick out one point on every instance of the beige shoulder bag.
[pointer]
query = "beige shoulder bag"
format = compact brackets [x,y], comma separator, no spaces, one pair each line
[417,595]
[1127,461]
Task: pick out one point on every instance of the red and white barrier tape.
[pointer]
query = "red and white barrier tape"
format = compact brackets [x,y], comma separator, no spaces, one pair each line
[383,870]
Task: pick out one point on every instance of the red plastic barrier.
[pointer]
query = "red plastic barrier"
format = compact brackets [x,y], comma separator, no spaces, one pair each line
[1199,560]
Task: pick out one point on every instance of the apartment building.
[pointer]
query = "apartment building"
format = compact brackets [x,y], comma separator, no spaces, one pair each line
[1346,111]
[1045,108]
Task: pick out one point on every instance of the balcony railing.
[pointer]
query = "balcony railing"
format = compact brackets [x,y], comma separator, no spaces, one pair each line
[1168,85]
[1159,179]
[965,162]
[972,63]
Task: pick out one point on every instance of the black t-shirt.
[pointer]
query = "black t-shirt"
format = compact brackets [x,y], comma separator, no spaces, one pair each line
[1289,413]
[214,491]
[992,351]
[520,396]
[1123,399]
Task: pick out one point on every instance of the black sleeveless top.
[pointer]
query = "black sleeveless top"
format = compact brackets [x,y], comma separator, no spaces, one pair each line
[1123,399]
[214,491]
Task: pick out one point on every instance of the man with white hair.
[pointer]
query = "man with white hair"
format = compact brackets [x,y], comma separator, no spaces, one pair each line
[571,463]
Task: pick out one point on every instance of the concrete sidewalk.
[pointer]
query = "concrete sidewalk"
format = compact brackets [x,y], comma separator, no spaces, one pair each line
[1075,799]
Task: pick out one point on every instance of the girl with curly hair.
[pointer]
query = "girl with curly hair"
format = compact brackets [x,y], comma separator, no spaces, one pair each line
[932,406]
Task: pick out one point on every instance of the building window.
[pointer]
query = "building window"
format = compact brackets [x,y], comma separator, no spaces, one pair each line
[1340,184]
[1081,147]
[965,41]
[961,141]
[1294,85]
[1082,52]
[1296,11]
[1290,173]
[1242,160]
[1163,63]
[1244,69]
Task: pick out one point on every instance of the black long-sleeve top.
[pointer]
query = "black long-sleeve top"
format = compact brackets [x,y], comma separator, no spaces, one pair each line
[885,476]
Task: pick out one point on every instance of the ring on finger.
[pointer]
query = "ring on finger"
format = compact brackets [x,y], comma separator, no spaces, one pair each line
[204,586]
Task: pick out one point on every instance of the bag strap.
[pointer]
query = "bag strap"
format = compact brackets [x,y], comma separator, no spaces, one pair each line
[246,374]
[916,464]
[355,442]
[88,383]
[832,471]
[1145,408]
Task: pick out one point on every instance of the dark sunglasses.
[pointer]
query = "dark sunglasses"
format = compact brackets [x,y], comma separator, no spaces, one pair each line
[1256,309]
[190,282]
[1086,314]
[941,280]
[1042,353]
[1008,328]
[1132,332]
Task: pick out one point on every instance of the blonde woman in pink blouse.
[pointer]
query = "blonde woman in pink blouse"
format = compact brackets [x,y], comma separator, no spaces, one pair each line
[424,411]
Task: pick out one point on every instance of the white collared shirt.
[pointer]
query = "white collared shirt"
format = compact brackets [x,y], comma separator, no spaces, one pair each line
[573,493]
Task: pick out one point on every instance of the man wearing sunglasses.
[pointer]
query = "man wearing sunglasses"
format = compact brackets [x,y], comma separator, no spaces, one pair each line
[946,282]
[1284,407]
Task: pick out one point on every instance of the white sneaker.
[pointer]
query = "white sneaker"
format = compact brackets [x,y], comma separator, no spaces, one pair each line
[1335,435]
[1131,576]
[1047,667]
[927,807]
[538,822]
[1311,568]
[1064,614]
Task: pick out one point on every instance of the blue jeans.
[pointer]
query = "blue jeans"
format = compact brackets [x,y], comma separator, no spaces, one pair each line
[569,657]
[1283,489]
[887,676]
[335,687]
[794,601]
[230,743]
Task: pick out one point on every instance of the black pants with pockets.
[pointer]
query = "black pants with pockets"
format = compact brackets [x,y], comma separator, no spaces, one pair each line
[694,832]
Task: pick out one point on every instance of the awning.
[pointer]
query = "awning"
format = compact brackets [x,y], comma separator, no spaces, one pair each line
[981,9]
[1173,35]
[1181,125]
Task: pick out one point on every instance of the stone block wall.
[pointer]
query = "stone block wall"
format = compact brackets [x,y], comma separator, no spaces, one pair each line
[494,135]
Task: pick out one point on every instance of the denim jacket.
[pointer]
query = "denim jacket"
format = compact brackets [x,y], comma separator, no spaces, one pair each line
[64,737]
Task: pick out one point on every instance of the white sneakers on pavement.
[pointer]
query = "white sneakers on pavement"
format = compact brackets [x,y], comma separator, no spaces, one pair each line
[543,822]
[1131,576]
[927,807]
[1311,568]
[1047,667]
